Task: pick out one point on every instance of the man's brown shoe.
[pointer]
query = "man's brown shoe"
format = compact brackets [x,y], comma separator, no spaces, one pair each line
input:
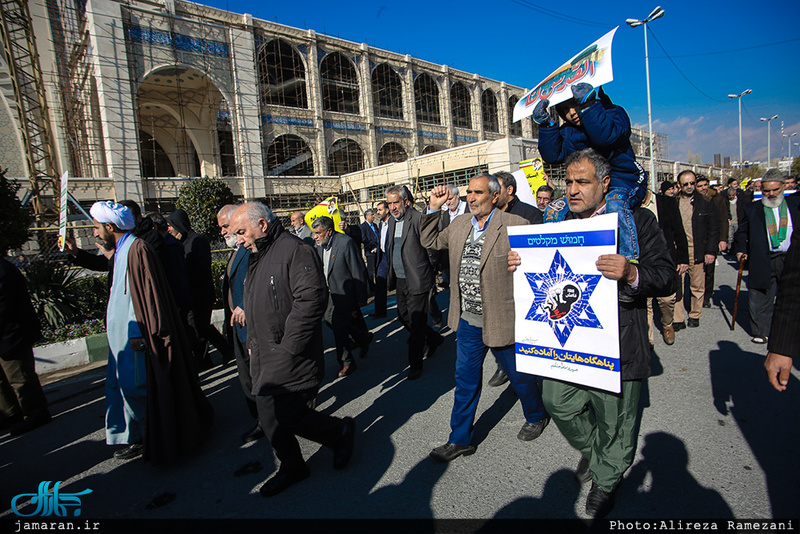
[669,335]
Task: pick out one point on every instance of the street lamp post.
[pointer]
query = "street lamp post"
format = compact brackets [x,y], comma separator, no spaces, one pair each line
[769,138]
[739,96]
[656,13]
[790,144]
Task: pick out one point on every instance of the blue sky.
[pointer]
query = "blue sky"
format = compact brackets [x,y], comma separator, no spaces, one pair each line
[716,48]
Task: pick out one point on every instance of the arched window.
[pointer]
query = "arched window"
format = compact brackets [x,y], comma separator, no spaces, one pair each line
[345,156]
[387,92]
[514,128]
[227,153]
[460,104]
[282,77]
[155,162]
[339,84]
[426,99]
[430,149]
[289,155]
[489,111]
[392,152]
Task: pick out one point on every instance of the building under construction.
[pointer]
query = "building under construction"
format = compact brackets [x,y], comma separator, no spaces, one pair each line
[134,98]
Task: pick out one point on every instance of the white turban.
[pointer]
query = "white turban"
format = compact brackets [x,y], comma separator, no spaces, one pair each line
[111,212]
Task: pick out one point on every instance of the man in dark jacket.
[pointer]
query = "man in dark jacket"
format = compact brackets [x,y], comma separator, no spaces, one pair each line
[23,405]
[763,238]
[669,220]
[370,238]
[197,253]
[701,224]
[603,425]
[347,281]
[411,273]
[284,301]
[721,209]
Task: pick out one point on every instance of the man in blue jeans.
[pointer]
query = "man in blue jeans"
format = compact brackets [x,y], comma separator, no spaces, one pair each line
[481,308]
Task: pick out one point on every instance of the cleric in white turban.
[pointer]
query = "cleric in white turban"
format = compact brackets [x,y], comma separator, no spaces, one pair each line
[111,212]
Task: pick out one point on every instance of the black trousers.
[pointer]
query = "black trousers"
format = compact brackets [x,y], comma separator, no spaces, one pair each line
[243,366]
[412,310]
[287,415]
[372,267]
[349,326]
[21,393]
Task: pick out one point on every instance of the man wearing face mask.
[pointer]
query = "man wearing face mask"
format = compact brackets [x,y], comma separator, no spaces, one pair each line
[763,237]
[235,324]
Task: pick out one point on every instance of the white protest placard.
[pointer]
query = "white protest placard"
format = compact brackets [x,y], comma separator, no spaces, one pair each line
[62,212]
[566,315]
[591,65]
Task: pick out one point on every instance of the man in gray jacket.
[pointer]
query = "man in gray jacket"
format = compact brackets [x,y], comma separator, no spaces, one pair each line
[481,309]
[284,300]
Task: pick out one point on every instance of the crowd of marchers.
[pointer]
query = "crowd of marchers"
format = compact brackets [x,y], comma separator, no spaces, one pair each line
[283,285]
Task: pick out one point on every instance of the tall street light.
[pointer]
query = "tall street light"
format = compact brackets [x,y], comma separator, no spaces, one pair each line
[739,96]
[790,144]
[655,14]
[769,146]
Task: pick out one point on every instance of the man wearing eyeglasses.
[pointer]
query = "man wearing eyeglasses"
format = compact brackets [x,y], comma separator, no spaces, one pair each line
[701,224]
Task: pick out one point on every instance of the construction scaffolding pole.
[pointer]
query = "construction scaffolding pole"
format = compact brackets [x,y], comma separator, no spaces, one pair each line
[22,58]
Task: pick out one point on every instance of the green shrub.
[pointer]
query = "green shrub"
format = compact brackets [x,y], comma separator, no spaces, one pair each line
[92,295]
[201,199]
[51,287]
[15,220]
[217,274]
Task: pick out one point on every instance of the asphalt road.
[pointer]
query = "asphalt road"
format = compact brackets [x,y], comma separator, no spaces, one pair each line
[716,441]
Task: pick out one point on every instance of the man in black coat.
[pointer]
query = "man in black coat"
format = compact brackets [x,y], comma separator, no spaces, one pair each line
[23,405]
[370,238]
[197,253]
[701,224]
[669,220]
[763,238]
[412,275]
[285,296]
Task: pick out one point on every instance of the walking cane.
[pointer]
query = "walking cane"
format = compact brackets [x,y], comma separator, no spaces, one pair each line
[736,299]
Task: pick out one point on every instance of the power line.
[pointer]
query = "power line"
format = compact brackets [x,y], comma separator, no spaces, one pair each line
[560,16]
[680,71]
[737,49]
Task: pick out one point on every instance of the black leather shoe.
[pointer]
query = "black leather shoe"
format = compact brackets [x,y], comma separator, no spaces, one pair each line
[449,452]
[430,347]
[344,450]
[31,422]
[598,502]
[693,323]
[128,453]
[678,326]
[531,431]
[284,478]
[706,303]
[348,370]
[498,378]
[365,346]
[582,473]
[414,373]
[253,434]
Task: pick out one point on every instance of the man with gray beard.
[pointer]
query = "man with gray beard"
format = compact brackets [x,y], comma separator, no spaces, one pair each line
[763,237]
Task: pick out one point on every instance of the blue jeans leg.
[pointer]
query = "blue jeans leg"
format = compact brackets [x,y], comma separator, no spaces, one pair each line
[470,353]
[525,385]
[619,200]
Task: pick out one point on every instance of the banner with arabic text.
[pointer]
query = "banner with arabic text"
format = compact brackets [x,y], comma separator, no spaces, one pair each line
[591,65]
[327,208]
[567,320]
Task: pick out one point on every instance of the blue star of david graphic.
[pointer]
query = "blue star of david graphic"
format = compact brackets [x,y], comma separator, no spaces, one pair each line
[561,298]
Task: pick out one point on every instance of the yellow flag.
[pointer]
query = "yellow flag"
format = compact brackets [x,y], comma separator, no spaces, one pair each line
[534,171]
[327,208]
